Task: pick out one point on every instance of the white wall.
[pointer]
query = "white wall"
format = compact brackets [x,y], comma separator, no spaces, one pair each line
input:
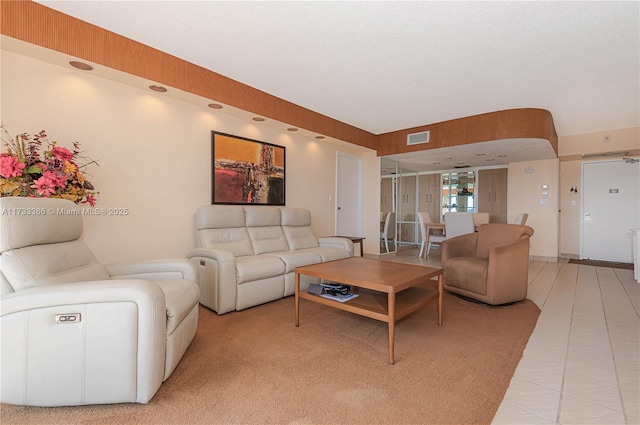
[571,149]
[154,155]
[524,194]
[570,176]
[618,140]
[371,203]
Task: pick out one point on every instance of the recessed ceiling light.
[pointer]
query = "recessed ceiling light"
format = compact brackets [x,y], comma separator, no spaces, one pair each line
[489,160]
[292,129]
[214,106]
[448,158]
[502,156]
[259,119]
[319,137]
[158,89]
[436,163]
[81,65]
[480,154]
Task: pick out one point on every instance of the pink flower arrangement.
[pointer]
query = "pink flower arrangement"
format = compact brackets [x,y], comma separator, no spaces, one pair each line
[10,166]
[54,174]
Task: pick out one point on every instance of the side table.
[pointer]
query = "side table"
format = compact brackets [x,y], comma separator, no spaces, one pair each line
[354,239]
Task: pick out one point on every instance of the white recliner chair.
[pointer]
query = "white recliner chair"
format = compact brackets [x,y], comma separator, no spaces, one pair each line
[75,332]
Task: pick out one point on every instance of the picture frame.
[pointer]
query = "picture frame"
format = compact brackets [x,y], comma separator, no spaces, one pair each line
[246,171]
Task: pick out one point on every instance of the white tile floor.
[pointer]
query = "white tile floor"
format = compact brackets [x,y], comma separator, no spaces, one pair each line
[582,362]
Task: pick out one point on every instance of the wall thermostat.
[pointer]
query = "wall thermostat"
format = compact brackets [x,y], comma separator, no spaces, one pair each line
[528,170]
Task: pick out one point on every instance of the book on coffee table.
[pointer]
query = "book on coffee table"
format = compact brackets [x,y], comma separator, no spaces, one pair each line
[340,298]
[332,291]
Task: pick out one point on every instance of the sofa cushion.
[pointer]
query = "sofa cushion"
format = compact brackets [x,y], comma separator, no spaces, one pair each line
[469,273]
[267,239]
[330,253]
[296,224]
[252,268]
[300,237]
[262,216]
[293,259]
[50,264]
[60,222]
[180,296]
[295,217]
[234,239]
[219,217]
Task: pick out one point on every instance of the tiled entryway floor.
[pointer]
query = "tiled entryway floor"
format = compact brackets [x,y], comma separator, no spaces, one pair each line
[582,362]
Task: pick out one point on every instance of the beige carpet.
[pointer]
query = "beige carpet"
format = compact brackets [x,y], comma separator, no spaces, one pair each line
[255,367]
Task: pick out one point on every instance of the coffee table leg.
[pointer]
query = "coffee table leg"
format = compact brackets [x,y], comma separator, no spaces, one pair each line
[297,297]
[391,301]
[440,296]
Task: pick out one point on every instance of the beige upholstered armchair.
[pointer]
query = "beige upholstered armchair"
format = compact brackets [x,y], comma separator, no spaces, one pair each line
[76,332]
[490,265]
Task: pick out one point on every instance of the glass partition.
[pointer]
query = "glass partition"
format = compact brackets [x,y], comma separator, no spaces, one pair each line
[459,192]
[406,207]
[388,190]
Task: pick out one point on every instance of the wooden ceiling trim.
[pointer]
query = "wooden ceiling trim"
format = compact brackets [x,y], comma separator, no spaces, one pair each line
[129,56]
[508,124]
[42,26]
[197,80]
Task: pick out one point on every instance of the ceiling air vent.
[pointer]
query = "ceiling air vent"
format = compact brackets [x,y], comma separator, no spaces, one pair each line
[418,138]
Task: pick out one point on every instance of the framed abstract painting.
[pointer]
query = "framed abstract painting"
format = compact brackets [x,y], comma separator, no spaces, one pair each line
[246,172]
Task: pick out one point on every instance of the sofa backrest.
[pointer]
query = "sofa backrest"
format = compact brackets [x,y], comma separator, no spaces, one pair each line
[493,234]
[296,224]
[43,247]
[254,230]
[223,227]
[265,231]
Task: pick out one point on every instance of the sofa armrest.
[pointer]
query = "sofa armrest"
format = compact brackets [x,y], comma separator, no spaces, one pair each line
[172,268]
[216,277]
[337,242]
[113,352]
[460,246]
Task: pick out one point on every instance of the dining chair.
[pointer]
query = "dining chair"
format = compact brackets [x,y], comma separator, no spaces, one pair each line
[425,232]
[458,223]
[389,231]
[480,218]
[521,218]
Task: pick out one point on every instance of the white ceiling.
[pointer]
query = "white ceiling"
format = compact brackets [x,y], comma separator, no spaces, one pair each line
[389,65]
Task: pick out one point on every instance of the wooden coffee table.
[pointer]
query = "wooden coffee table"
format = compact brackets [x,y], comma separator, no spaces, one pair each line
[388,291]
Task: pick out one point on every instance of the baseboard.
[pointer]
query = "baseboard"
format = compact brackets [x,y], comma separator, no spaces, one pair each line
[542,258]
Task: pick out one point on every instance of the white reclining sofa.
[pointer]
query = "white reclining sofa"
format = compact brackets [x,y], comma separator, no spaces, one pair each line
[246,255]
[77,332]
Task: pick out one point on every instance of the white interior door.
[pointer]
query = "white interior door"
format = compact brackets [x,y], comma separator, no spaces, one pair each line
[348,195]
[610,209]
